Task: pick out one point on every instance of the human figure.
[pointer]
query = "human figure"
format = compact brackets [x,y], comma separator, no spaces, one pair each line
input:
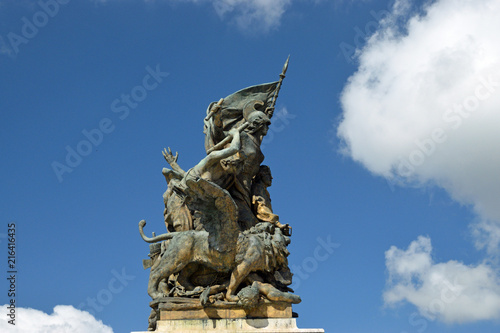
[176,214]
[241,191]
[218,167]
[261,200]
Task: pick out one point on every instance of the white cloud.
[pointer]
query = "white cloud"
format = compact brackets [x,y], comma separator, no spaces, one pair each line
[247,15]
[451,292]
[424,105]
[254,15]
[65,319]
[423,109]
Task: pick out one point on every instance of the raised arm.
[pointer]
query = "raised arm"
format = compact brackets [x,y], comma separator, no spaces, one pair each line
[172,160]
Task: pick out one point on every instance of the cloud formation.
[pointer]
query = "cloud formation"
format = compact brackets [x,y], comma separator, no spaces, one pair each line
[451,292]
[64,319]
[247,15]
[423,109]
[424,105]
[253,15]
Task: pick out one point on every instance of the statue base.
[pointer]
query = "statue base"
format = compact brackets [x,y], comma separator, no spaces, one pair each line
[222,310]
[176,314]
[239,325]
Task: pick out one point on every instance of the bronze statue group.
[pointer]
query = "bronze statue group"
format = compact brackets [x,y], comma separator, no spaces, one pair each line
[224,242]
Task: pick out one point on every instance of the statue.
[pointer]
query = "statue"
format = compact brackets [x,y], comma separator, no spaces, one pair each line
[261,200]
[225,248]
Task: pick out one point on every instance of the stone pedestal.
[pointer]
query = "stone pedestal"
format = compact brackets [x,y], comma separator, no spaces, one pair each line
[223,310]
[188,315]
[239,325]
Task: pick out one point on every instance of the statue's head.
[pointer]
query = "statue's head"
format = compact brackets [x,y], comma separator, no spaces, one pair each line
[258,120]
[264,175]
[259,123]
[249,297]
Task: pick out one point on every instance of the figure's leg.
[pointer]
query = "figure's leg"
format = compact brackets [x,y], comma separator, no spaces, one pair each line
[177,255]
[274,294]
[239,273]
[153,287]
[185,274]
[163,286]
[250,262]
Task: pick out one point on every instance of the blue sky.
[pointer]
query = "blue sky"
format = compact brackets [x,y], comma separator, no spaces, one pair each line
[384,150]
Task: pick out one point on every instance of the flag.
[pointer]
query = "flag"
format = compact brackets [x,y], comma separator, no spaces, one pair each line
[231,111]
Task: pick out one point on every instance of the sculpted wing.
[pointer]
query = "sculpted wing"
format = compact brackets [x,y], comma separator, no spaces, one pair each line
[219,213]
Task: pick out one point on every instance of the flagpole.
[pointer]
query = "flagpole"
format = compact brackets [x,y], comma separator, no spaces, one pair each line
[270,110]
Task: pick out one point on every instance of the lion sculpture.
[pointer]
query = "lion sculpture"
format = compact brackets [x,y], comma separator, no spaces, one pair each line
[221,247]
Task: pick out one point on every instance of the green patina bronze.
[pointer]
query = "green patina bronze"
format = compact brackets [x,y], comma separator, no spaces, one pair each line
[224,243]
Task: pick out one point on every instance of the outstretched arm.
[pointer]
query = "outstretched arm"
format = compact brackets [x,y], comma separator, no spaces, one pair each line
[217,155]
[172,160]
[233,148]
